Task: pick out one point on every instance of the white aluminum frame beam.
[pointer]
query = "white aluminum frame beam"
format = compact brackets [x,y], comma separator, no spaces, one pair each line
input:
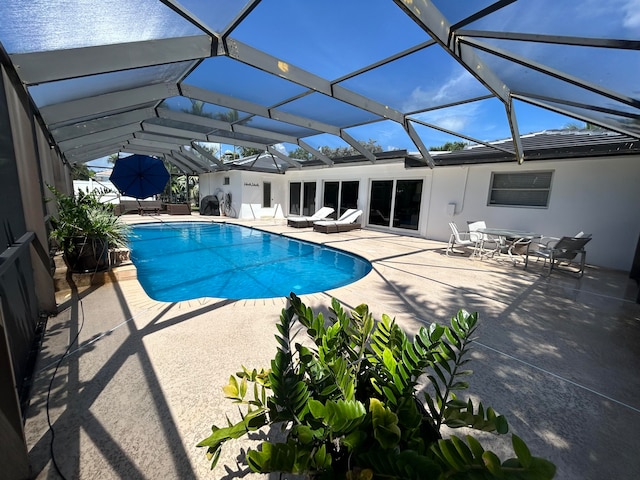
[356,145]
[208,156]
[316,153]
[185,151]
[427,16]
[187,160]
[108,122]
[89,149]
[193,119]
[424,151]
[109,102]
[98,137]
[41,67]
[178,164]
[284,158]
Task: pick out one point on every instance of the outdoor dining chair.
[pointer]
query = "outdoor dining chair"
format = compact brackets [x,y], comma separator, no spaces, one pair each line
[496,244]
[465,239]
[562,254]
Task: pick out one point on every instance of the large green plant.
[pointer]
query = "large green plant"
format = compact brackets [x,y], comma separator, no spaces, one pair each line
[348,399]
[84,215]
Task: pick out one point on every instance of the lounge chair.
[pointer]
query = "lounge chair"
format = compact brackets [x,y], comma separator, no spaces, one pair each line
[471,240]
[561,254]
[301,221]
[345,223]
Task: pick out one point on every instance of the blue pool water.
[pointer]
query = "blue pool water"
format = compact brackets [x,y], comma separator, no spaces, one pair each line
[179,261]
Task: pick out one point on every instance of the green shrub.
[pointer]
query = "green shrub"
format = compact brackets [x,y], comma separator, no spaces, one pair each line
[348,400]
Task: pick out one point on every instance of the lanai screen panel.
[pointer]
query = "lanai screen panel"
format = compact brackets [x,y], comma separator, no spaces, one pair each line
[321,75]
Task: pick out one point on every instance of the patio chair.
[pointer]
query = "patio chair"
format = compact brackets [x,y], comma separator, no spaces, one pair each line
[301,221]
[346,222]
[468,239]
[561,254]
[496,243]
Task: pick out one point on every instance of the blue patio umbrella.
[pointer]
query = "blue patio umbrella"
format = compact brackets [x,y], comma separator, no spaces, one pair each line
[139,176]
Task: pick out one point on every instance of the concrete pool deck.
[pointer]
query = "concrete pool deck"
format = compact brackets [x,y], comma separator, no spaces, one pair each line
[142,383]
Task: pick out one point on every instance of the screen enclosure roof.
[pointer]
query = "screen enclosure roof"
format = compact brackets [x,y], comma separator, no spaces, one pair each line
[190,81]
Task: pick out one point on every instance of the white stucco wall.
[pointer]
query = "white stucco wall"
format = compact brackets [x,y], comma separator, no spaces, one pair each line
[246,190]
[600,196]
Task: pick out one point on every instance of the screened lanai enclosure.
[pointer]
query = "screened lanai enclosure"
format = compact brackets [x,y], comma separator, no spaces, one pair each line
[304,81]
[289,76]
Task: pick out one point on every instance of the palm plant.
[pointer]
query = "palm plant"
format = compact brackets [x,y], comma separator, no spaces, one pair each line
[348,399]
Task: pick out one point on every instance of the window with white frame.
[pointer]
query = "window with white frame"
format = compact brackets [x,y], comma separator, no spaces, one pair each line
[522,189]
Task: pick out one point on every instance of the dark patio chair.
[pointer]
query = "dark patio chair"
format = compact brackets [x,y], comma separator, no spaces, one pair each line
[562,254]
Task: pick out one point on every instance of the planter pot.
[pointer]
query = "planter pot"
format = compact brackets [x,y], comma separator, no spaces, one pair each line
[86,254]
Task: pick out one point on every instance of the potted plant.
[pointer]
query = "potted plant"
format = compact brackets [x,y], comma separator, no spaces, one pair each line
[85,229]
[349,400]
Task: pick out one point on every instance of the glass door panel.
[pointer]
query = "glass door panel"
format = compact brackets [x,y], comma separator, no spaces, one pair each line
[309,198]
[380,202]
[348,196]
[330,197]
[294,198]
[406,211]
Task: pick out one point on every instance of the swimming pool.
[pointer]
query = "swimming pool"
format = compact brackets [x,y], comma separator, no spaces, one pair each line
[179,261]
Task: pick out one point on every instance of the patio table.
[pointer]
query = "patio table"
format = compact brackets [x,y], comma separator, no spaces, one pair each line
[514,240]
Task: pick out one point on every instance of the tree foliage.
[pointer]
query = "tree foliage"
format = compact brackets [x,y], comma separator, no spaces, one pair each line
[248,151]
[338,152]
[80,171]
[449,147]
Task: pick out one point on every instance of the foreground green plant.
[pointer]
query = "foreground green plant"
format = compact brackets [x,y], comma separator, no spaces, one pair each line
[349,403]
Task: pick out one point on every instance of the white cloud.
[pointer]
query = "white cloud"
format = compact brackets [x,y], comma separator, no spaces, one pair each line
[632,14]
[447,93]
[456,119]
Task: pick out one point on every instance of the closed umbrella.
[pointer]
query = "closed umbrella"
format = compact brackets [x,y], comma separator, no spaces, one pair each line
[139,176]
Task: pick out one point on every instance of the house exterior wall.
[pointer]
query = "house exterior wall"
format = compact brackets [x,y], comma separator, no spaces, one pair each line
[595,195]
[246,189]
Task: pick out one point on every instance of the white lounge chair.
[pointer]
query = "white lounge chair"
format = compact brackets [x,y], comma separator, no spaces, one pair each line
[346,222]
[301,221]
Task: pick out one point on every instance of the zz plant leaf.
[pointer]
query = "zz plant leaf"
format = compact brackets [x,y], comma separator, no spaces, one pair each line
[350,401]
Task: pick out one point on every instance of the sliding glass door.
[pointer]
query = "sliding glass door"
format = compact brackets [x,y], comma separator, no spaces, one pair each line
[302,198]
[395,203]
[340,196]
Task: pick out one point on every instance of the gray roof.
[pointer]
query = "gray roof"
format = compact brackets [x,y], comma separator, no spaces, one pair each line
[158,76]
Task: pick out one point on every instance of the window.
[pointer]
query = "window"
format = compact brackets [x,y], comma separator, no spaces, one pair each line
[226,180]
[526,189]
[266,194]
